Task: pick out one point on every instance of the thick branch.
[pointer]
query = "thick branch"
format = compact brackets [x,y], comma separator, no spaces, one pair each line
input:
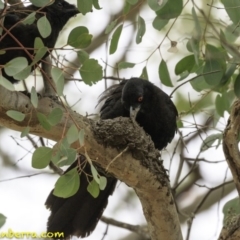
[230,143]
[146,174]
[230,147]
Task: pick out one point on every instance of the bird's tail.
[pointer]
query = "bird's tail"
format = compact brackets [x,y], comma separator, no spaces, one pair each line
[78,215]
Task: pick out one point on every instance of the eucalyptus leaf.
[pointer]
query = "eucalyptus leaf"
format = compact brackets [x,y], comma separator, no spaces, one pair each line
[68,184]
[141,29]
[25,132]
[41,157]
[44,27]
[91,71]
[34,97]
[55,116]
[7,84]
[164,74]
[72,134]
[115,39]
[93,188]
[2,220]
[16,115]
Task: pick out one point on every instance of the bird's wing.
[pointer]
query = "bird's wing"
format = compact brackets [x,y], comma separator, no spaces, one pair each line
[112,106]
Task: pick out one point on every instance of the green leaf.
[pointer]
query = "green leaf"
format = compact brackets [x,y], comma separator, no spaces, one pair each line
[159,23]
[82,56]
[127,7]
[115,39]
[38,43]
[55,116]
[1,5]
[144,74]
[43,121]
[58,78]
[231,67]
[123,65]
[39,49]
[141,29]
[44,27]
[34,97]
[22,75]
[2,217]
[69,156]
[132,2]
[193,46]
[81,137]
[93,188]
[171,9]
[25,132]
[41,3]
[222,104]
[64,154]
[17,116]
[215,61]
[15,66]
[7,84]
[230,209]
[96,4]
[91,71]
[111,26]
[84,6]
[237,86]
[68,184]
[79,37]
[232,10]
[199,84]
[156,5]
[197,29]
[231,33]
[102,182]
[185,64]
[164,74]
[72,134]
[179,124]
[208,142]
[183,76]
[41,157]
[29,19]
[95,174]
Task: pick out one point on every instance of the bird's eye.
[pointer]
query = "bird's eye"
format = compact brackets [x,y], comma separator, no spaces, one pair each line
[60,4]
[140,99]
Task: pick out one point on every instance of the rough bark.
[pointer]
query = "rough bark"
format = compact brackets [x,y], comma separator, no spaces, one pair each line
[118,146]
[231,230]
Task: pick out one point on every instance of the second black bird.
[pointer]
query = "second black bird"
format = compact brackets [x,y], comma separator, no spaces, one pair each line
[19,41]
[155,112]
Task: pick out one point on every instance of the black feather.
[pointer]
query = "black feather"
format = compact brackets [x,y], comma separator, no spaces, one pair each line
[79,214]
[57,14]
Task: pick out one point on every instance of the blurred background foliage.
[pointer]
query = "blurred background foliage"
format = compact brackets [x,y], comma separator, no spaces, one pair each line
[188,48]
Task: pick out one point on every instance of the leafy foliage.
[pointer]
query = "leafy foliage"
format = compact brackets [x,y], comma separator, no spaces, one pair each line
[41,157]
[68,184]
[2,220]
[185,47]
[18,116]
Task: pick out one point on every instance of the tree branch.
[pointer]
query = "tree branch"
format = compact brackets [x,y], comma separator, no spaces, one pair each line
[104,140]
[140,230]
[230,147]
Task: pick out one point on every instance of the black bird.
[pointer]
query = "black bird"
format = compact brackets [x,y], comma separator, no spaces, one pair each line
[58,13]
[155,112]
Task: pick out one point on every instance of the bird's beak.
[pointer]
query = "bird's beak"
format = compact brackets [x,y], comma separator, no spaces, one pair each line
[134,112]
